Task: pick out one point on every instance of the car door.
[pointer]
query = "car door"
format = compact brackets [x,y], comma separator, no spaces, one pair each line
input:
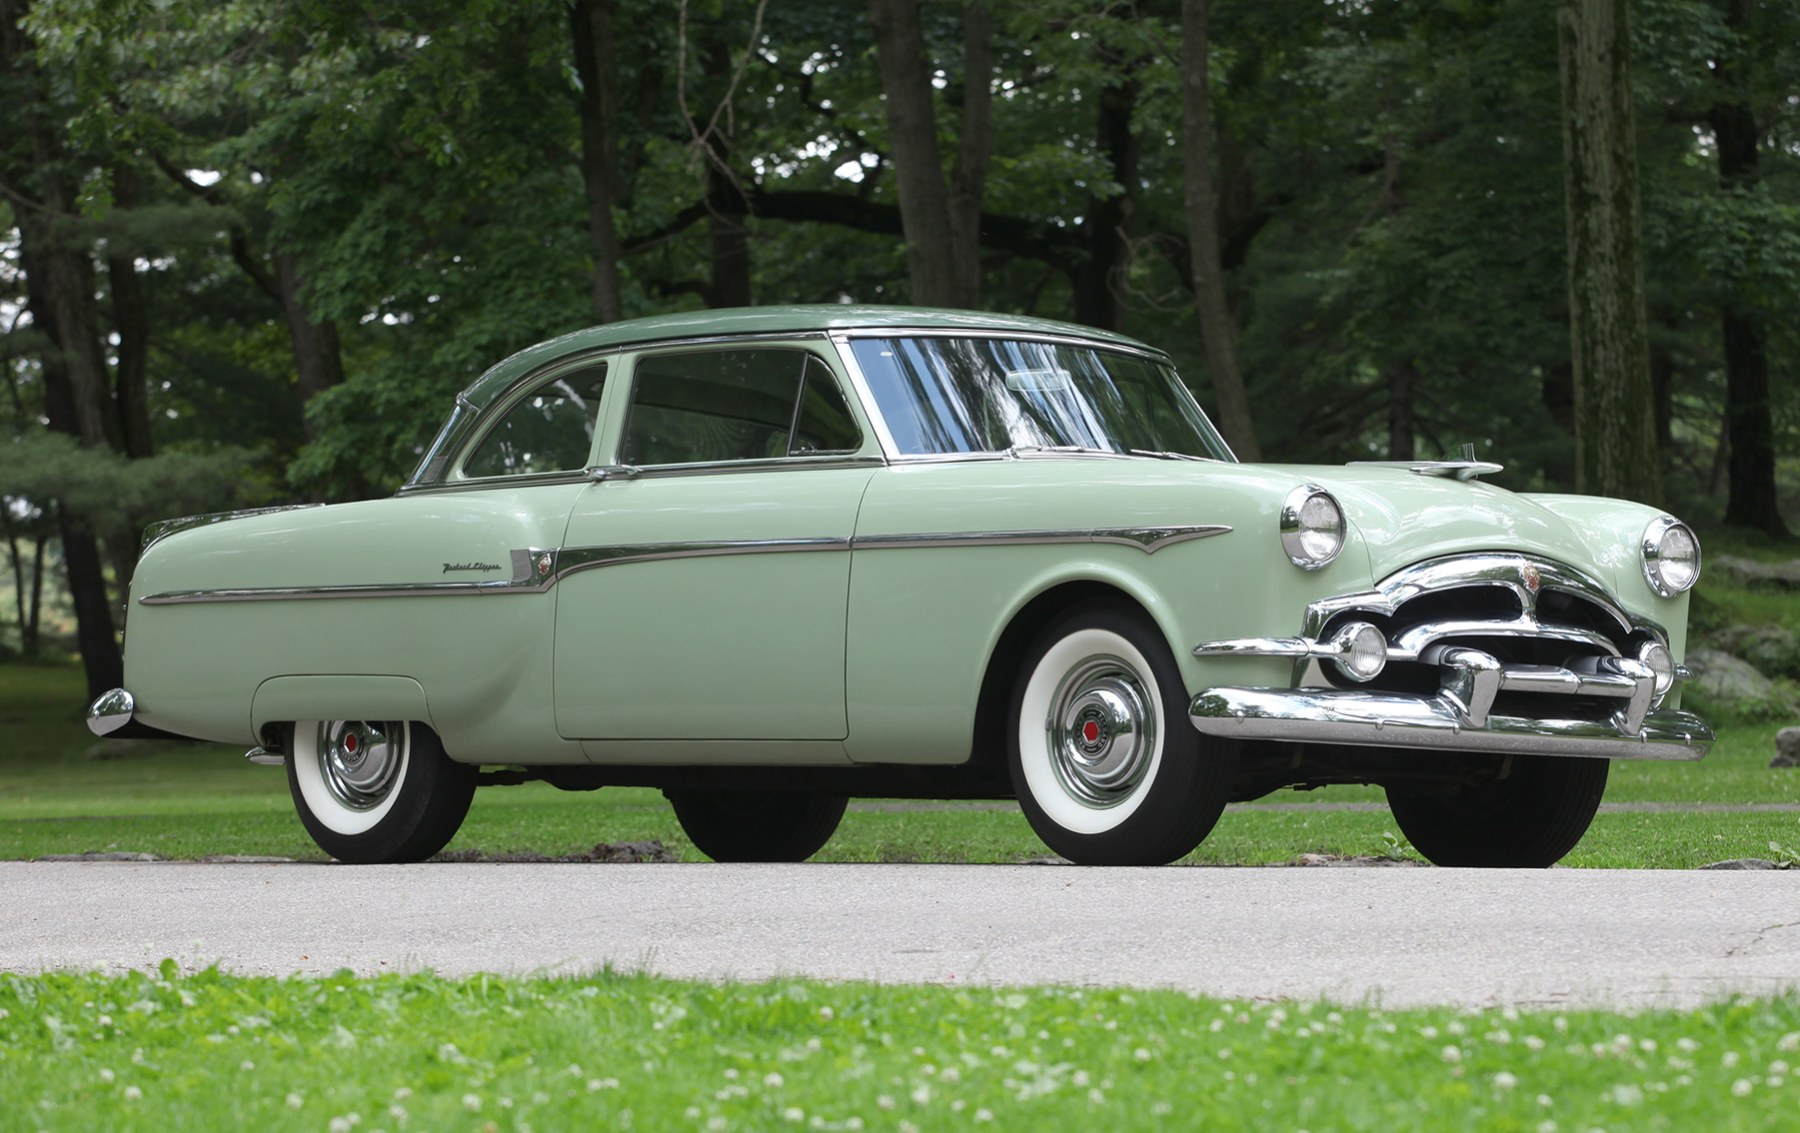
[704,580]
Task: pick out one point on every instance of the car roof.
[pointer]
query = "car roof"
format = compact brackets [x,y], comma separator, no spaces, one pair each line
[798,319]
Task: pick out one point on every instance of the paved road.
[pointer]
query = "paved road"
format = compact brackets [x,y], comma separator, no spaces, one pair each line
[1394,936]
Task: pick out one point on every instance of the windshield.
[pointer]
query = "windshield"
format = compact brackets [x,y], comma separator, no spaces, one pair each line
[955,395]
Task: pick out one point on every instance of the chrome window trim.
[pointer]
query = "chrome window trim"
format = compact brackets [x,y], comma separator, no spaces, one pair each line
[859,383]
[490,417]
[801,344]
[536,569]
[720,467]
[489,483]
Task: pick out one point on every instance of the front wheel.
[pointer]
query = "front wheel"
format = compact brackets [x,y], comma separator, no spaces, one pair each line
[1106,765]
[1528,820]
[371,791]
[757,826]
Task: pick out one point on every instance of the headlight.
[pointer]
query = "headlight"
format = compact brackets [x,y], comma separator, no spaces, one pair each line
[1312,527]
[1671,556]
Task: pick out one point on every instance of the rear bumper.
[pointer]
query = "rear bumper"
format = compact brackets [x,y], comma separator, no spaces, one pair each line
[114,714]
[1372,719]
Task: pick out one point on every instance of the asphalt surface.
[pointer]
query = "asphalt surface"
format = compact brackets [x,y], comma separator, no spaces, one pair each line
[1389,936]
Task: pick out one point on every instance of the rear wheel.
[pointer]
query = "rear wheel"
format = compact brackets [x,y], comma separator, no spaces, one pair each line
[1527,820]
[1105,763]
[373,791]
[757,826]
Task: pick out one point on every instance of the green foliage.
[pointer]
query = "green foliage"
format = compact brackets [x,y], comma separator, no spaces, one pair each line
[111,492]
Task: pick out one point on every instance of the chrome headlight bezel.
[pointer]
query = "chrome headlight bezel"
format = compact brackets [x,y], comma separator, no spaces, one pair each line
[1663,563]
[1302,529]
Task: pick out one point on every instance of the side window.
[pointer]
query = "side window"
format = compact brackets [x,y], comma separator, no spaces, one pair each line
[724,405]
[550,430]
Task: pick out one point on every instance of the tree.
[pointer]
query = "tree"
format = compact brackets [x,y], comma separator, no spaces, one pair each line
[1217,329]
[1615,435]
[1752,499]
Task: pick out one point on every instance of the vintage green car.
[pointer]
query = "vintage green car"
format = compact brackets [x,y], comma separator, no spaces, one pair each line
[770,559]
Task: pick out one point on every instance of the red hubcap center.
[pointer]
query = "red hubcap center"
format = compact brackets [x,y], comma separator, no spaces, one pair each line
[1090,732]
[350,744]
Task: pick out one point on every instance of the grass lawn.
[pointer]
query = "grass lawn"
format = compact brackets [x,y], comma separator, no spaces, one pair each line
[209,1051]
[56,797]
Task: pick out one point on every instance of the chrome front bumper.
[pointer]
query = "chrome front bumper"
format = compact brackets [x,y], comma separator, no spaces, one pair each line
[1333,716]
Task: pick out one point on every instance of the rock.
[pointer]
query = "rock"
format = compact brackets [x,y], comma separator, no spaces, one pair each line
[1749,572]
[1787,748]
[1721,678]
[1772,650]
[1743,863]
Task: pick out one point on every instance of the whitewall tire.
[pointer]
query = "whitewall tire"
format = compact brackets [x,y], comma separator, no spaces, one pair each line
[376,791]
[1105,764]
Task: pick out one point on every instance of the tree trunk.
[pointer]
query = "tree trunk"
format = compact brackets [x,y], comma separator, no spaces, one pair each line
[728,241]
[1098,281]
[78,398]
[1218,335]
[1615,437]
[968,182]
[1402,378]
[1753,501]
[591,30]
[913,139]
[318,358]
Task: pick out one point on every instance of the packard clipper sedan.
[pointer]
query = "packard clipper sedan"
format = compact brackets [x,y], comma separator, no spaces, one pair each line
[768,560]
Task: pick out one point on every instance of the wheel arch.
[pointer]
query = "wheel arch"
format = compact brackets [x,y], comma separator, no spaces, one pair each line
[988,744]
[279,701]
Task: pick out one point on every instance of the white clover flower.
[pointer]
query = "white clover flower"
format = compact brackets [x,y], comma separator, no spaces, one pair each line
[1505,1081]
[885,1101]
[827,1014]
[715,1124]
[1080,1077]
[853,1122]
[397,1112]
[472,1102]
[982,1116]
[1546,1127]
[338,1125]
[133,1094]
[1141,1054]
[1729,1059]
[691,1112]
[1533,1043]
[1452,1054]
[921,1093]
[402,1093]
[793,1113]
[295,1101]
[773,1080]
[1741,1088]
[1216,1026]
[246,1065]
[105,1020]
[1789,1041]
[1779,1066]
[1545,1100]
[1627,1094]
[1428,1032]
[106,1076]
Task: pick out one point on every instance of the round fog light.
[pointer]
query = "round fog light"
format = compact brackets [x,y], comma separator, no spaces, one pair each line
[1362,651]
[1661,662]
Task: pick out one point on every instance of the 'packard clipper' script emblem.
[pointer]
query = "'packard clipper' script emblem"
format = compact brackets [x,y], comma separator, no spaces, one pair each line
[457,567]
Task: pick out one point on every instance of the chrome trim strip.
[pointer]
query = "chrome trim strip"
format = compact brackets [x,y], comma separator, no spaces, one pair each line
[535,570]
[1146,539]
[110,711]
[770,464]
[1387,720]
[573,559]
[1100,342]
[163,528]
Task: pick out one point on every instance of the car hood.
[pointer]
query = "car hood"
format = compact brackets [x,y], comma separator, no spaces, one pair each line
[1404,517]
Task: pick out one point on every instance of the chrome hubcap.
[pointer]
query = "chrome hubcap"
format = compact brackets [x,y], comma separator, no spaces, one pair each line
[1101,732]
[360,759]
